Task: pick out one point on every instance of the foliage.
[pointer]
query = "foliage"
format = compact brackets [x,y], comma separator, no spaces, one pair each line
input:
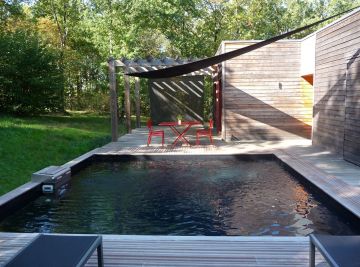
[30,77]
[85,33]
[9,11]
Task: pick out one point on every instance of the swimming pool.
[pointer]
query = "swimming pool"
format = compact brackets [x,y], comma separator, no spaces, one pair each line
[181,196]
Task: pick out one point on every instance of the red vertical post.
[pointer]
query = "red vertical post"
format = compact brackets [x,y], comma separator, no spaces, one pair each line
[217,106]
[217,98]
[220,103]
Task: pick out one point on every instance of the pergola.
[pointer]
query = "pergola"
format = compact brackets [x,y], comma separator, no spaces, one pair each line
[138,65]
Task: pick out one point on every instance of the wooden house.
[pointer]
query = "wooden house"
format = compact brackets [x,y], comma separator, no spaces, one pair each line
[296,88]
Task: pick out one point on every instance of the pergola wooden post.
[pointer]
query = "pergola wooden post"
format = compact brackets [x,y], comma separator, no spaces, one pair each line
[113,100]
[137,101]
[127,102]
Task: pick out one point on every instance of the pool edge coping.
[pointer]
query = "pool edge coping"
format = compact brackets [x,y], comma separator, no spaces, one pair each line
[346,195]
[328,184]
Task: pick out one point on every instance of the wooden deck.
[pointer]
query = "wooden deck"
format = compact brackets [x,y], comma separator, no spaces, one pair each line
[187,251]
[324,160]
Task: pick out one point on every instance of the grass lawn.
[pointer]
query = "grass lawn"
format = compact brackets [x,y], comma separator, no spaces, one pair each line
[30,144]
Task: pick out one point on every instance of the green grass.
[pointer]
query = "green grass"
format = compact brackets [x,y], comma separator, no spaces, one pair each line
[30,144]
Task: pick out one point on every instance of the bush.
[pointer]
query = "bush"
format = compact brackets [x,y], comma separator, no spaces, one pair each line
[31,79]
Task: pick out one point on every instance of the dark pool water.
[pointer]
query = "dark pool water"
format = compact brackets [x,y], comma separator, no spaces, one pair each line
[181,197]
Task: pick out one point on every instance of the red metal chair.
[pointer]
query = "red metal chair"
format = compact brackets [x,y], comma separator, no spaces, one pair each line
[154,133]
[205,132]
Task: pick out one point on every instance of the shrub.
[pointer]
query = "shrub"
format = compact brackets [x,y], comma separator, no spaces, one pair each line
[31,79]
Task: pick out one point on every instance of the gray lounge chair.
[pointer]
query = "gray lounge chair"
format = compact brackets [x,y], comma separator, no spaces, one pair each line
[338,251]
[58,251]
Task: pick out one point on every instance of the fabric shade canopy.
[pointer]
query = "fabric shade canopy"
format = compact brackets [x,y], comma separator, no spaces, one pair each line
[207,62]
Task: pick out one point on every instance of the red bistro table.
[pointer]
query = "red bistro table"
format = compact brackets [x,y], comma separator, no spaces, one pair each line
[180,134]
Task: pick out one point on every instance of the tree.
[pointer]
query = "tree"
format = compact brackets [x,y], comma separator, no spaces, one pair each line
[9,10]
[85,33]
[66,14]
[30,80]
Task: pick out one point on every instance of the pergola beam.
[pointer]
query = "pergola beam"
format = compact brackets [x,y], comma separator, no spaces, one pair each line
[141,65]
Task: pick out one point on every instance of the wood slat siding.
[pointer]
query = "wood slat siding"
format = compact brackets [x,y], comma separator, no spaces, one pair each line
[352,110]
[337,88]
[264,96]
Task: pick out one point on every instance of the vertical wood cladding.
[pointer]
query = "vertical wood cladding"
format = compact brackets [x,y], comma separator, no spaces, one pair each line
[352,111]
[264,96]
[337,88]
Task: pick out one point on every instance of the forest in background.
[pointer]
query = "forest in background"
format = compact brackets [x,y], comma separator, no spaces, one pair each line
[54,52]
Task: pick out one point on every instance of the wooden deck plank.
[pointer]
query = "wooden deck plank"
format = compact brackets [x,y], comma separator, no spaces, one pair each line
[122,250]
